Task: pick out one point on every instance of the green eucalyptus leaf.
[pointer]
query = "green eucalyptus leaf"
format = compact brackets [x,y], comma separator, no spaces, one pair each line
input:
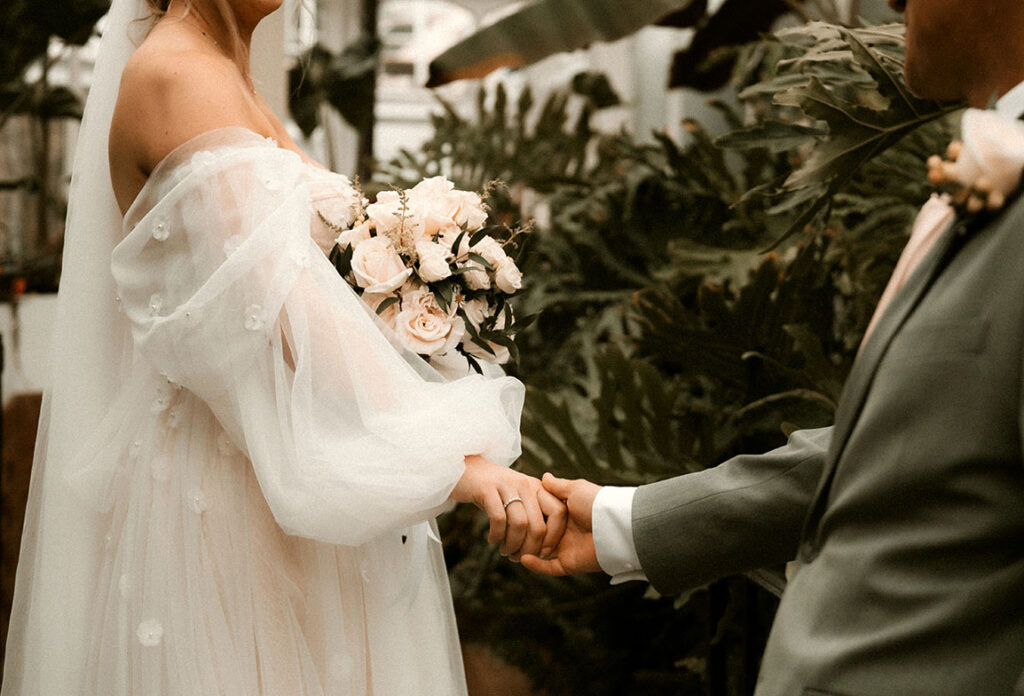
[342,259]
[382,307]
[481,261]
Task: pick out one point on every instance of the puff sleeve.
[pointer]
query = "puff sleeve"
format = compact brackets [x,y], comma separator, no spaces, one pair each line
[229,296]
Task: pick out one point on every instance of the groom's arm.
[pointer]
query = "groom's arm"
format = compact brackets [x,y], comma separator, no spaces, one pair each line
[745,513]
[684,532]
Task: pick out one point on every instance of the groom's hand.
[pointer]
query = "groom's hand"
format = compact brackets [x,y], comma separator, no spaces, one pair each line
[575,553]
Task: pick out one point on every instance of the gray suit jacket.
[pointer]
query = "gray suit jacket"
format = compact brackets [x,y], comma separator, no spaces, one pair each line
[906,517]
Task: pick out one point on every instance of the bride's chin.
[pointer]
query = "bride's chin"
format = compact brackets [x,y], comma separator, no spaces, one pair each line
[268,6]
[255,10]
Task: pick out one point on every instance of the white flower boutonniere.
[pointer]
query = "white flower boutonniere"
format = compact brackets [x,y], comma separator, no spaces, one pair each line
[984,168]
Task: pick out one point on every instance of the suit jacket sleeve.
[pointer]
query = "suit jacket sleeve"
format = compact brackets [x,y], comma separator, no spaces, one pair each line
[745,513]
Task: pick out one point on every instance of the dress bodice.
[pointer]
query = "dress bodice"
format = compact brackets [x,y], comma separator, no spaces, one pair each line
[332,195]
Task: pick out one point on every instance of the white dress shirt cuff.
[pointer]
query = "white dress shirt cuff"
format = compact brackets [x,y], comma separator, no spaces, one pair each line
[613,534]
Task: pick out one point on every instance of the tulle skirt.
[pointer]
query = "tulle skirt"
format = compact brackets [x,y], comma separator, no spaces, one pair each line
[201,592]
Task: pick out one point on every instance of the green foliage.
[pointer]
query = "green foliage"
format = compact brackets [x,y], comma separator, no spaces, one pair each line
[715,371]
[504,142]
[848,84]
[344,82]
[28,26]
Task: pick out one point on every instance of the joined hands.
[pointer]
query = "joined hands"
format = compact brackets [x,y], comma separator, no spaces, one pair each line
[546,524]
[575,551]
[530,525]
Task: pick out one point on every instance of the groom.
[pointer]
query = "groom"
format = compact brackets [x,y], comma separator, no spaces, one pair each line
[906,517]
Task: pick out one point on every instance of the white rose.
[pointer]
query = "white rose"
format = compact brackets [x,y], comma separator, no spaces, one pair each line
[421,298]
[432,188]
[476,278]
[452,365]
[433,262]
[377,266]
[433,197]
[341,208]
[477,312]
[470,212]
[438,197]
[431,226]
[491,250]
[993,149]
[428,330]
[359,233]
[448,238]
[386,212]
[508,277]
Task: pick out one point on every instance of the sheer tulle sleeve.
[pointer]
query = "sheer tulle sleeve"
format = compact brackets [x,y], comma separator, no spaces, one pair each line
[230,297]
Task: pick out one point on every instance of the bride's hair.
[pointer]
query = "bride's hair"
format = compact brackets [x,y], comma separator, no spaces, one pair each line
[222,8]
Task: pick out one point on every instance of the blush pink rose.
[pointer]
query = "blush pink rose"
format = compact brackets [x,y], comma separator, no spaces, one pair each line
[377,267]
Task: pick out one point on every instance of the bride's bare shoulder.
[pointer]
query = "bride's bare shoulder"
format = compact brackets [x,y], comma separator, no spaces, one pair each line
[175,86]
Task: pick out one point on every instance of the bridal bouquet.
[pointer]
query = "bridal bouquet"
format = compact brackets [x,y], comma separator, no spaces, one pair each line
[426,262]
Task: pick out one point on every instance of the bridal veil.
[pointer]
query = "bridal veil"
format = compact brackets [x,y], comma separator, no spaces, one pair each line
[90,352]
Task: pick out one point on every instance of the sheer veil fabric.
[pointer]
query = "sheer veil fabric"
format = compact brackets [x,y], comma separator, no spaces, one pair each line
[237,469]
[91,343]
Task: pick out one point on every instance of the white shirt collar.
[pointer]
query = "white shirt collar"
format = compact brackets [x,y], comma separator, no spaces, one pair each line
[1011,104]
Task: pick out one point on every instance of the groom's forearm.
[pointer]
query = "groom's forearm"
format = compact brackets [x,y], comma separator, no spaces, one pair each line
[745,513]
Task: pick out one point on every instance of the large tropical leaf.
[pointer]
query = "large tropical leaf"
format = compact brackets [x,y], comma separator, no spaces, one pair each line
[629,426]
[29,24]
[546,27]
[848,82]
[344,81]
[707,63]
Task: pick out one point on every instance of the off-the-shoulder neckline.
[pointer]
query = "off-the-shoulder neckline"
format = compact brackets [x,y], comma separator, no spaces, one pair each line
[170,161]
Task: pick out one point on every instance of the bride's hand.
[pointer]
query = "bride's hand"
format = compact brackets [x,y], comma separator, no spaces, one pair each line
[533,524]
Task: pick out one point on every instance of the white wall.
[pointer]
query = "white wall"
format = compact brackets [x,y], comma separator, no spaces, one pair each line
[267,62]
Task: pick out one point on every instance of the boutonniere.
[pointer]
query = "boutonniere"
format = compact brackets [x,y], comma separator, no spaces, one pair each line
[983,169]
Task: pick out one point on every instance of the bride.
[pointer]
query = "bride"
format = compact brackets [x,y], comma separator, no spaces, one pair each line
[237,471]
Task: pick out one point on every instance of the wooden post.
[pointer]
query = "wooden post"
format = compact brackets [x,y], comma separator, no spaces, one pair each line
[364,165]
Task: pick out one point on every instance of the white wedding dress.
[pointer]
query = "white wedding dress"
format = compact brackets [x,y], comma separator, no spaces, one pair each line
[267,477]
